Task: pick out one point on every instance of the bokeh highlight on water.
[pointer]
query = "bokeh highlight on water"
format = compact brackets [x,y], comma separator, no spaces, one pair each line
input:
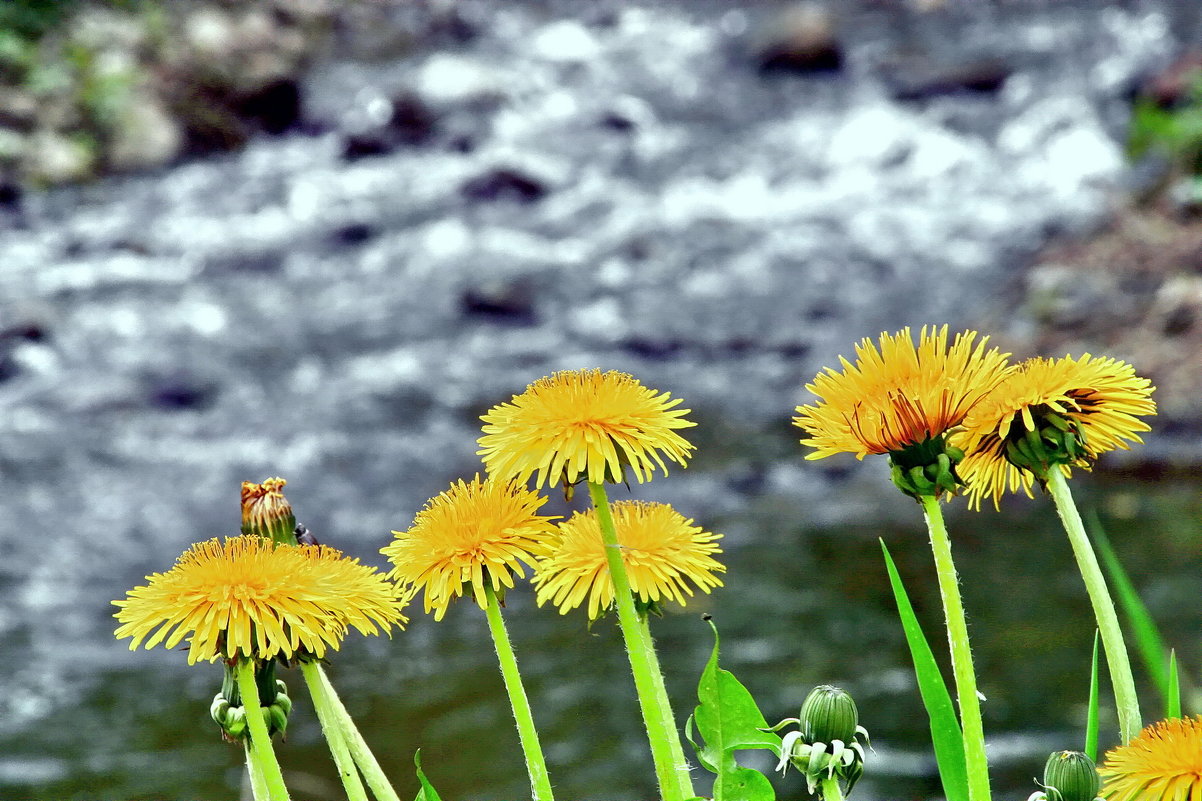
[611,185]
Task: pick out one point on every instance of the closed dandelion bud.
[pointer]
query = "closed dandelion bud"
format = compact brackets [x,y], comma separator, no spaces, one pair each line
[1071,776]
[829,714]
[219,709]
[281,697]
[235,722]
[277,719]
[267,513]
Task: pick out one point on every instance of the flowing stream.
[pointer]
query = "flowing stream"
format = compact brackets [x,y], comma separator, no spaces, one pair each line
[532,186]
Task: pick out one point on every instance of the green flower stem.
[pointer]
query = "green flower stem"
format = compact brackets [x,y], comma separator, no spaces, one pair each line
[536,765]
[962,669]
[1117,659]
[657,677]
[373,774]
[258,785]
[830,790]
[260,741]
[671,769]
[334,735]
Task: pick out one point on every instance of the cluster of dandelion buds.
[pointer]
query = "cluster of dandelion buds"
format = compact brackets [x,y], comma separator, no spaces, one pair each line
[231,717]
[829,743]
[1069,776]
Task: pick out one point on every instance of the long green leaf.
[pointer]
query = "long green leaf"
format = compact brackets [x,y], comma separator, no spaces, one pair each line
[1147,637]
[946,736]
[1091,721]
[427,791]
[729,720]
[1173,701]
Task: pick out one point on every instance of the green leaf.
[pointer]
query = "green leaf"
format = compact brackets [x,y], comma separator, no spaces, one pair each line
[1091,720]
[427,792]
[946,736]
[729,720]
[1173,701]
[1148,641]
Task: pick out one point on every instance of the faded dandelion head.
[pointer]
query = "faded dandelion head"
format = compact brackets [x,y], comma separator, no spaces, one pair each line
[266,512]
[584,425]
[1050,414]
[664,554]
[474,535]
[248,597]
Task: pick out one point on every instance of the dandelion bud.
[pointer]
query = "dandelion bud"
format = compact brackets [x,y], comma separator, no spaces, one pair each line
[235,723]
[267,513]
[1071,776]
[829,714]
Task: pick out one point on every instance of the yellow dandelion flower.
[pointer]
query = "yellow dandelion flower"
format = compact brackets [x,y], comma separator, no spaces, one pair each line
[1162,763]
[246,596]
[587,425]
[1099,398]
[661,549]
[473,533]
[266,512]
[897,395]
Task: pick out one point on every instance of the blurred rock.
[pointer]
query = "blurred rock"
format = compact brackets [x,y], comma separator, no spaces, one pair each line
[52,158]
[801,39]
[920,78]
[1185,197]
[510,302]
[18,108]
[1172,85]
[504,184]
[410,122]
[145,135]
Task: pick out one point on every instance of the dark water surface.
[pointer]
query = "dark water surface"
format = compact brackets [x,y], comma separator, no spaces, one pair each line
[600,184]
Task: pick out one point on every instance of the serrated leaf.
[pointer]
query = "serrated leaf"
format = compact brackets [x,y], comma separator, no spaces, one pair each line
[946,736]
[729,720]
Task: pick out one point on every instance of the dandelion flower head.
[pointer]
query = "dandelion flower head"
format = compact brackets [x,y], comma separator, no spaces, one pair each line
[897,394]
[248,597]
[588,425]
[1102,398]
[476,533]
[662,551]
[1162,763]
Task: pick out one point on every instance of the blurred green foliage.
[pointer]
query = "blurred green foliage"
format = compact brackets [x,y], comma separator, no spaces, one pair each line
[31,19]
[1174,132]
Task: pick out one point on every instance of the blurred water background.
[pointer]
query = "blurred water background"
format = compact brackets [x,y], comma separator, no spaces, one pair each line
[477,194]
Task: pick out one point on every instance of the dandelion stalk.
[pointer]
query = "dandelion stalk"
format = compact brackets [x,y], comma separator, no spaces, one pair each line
[333,731]
[536,765]
[671,769]
[260,740]
[258,785]
[961,653]
[1117,660]
[830,790]
[366,761]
